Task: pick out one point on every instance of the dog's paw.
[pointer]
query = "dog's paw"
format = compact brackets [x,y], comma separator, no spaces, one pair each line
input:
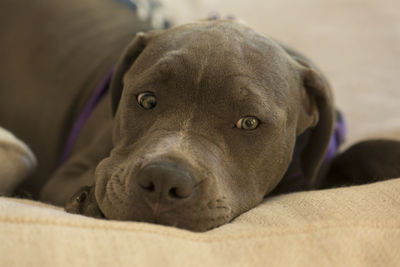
[83,202]
[365,162]
[16,162]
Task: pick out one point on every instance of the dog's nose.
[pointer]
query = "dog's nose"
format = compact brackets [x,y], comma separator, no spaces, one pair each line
[165,182]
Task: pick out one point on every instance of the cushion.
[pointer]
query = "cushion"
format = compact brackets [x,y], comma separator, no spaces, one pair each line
[350,226]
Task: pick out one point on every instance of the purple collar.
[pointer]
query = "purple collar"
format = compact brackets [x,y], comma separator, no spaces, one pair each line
[98,94]
[338,137]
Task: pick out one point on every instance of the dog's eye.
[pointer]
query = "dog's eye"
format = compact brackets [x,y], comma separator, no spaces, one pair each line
[248,123]
[147,100]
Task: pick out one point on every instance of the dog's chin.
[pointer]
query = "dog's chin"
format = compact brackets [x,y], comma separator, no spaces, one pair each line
[194,218]
[207,209]
[197,218]
[195,223]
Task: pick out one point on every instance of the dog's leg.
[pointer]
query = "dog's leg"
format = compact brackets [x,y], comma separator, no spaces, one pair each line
[54,54]
[365,162]
[16,162]
[79,170]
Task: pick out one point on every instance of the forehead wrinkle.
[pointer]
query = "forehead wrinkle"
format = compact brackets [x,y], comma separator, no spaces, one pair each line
[235,75]
[171,144]
[255,101]
[184,58]
[169,58]
[163,65]
[187,118]
[199,68]
[202,68]
[177,53]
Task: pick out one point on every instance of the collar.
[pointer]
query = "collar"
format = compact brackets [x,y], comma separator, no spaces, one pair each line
[91,104]
[338,137]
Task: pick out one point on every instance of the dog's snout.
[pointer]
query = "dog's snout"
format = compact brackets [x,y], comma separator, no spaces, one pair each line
[165,182]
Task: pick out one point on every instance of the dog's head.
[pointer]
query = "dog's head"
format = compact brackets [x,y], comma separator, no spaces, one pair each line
[206,120]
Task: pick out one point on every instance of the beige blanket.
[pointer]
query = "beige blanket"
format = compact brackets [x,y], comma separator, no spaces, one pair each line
[354,226]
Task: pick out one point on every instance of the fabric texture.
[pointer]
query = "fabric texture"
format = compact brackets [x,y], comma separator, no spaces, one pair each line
[351,226]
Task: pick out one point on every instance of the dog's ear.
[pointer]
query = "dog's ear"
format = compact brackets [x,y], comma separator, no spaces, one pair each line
[316,117]
[128,57]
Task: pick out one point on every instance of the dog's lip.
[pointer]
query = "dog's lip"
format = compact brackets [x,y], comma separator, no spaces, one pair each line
[102,214]
[167,218]
[160,220]
[157,208]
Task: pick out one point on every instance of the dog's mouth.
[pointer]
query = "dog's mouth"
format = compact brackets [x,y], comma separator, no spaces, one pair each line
[162,192]
[84,202]
[190,218]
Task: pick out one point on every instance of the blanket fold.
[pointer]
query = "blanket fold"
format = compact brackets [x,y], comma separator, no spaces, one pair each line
[352,226]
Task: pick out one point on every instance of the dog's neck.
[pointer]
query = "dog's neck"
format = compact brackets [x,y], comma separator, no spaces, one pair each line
[91,104]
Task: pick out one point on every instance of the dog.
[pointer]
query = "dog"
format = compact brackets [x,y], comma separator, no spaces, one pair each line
[364,162]
[206,119]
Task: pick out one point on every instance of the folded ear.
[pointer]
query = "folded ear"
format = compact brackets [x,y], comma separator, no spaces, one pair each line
[128,57]
[319,91]
[316,117]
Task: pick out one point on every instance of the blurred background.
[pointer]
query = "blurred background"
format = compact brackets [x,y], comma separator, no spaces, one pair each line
[356,43]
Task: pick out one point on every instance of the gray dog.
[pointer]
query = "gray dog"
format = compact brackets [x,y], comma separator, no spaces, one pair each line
[207,118]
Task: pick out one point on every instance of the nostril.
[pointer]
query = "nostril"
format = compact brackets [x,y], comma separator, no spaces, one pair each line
[173,192]
[165,182]
[148,186]
[180,192]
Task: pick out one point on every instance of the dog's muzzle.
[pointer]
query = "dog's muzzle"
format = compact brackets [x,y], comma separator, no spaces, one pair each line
[163,186]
